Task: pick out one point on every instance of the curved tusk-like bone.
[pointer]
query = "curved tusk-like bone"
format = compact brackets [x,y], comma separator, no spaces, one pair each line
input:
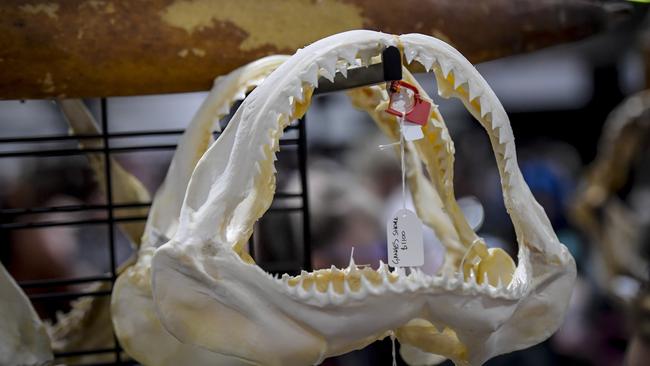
[126,188]
[23,339]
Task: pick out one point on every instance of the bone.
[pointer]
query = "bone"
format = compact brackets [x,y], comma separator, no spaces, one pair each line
[134,318]
[226,196]
[613,228]
[126,188]
[23,339]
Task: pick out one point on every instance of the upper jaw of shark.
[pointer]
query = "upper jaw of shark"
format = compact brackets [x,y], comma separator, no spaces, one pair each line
[136,326]
[208,292]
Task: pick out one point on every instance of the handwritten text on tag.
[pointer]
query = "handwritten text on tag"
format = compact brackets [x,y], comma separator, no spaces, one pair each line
[404,234]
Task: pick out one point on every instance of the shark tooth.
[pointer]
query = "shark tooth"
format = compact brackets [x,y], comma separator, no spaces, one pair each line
[410,54]
[349,54]
[426,61]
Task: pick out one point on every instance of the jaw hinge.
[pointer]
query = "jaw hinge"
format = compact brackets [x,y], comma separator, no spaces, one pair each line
[389,69]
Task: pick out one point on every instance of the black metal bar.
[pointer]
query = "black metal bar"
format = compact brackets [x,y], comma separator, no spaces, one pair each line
[63,282]
[68,295]
[302,168]
[124,362]
[116,206]
[109,202]
[389,69]
[43,224]
[71,208]
[251,245]
[114,150]
[113,135]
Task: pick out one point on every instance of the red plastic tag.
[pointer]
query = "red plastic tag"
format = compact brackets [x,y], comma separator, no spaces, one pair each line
[405,100]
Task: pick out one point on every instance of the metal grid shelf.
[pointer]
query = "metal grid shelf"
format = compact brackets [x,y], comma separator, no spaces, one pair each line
[389,69]
[109,219]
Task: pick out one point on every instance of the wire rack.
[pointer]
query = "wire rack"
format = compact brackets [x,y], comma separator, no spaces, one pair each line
[390,68]
[7,215]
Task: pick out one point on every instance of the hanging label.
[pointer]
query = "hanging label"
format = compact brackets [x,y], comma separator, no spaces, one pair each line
[411,131]
[406,101]
[404,236]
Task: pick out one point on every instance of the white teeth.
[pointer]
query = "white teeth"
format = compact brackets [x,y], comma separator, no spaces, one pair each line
[449,283]
[445,66]
[383,269]
[300,290]
[334,297]
[486,106]
[472,278]
[284,107]
[412,283]
[347,291]
[399,271]
[328,68]
[365,60]
[511,166]
[505,135]
[366,56]
[426,61]
[410,54]
[241,95]
[509,150]
[294,89]
[513,287]
[398,286]
[224,109]
[458,279]
[349,54]
[474,90]
[310,75]
[352,267]
[342,67]
[321,297]
[486,281]
[459,80]
[437,281]
[366,284]
[327,75]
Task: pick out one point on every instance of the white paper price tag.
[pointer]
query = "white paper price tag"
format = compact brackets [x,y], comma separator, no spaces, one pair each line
[404,234]
[412,131]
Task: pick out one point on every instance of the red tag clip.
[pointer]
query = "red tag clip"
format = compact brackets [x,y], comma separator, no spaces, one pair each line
[405,100]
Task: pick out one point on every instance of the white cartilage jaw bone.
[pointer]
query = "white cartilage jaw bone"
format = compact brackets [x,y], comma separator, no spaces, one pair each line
[220,289]
[125,186]
[23,339]
[134,318]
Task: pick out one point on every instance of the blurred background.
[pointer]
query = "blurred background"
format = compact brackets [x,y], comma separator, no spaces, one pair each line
[558,100]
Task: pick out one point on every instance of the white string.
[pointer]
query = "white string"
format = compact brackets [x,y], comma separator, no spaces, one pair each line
[401,147]
[386,146]
[462,261]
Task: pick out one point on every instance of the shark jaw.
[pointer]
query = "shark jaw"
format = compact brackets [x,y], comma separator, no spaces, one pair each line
[210,293]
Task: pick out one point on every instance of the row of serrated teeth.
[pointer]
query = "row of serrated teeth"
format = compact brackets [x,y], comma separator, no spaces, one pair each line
[326,66]
[355,283]
[452,78]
